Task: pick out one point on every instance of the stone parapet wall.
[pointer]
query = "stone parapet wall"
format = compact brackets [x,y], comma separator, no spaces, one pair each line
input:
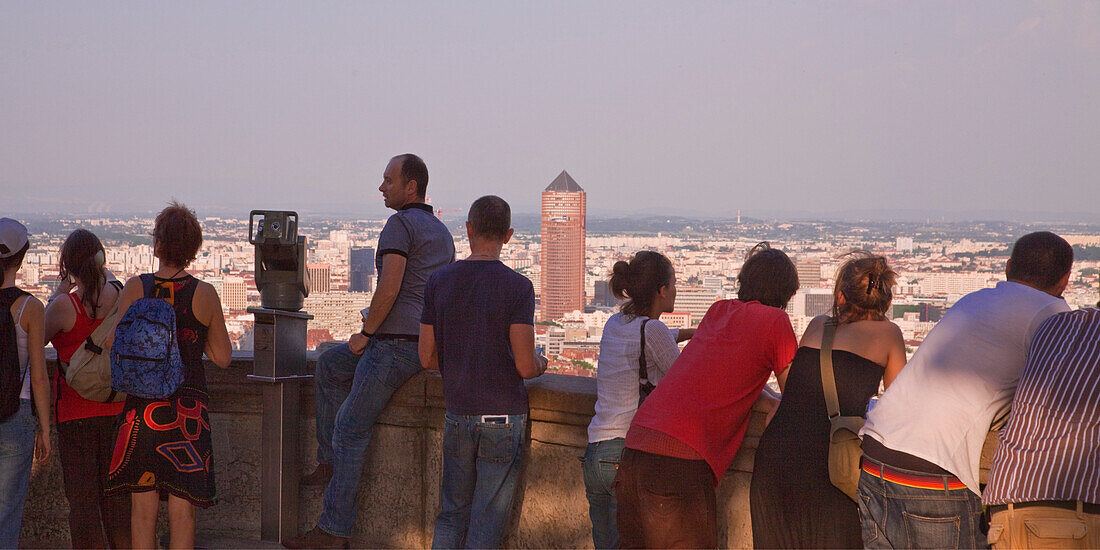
[399,495]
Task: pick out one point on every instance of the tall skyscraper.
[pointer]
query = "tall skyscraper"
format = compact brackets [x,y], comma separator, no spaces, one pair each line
[360,270]
[562,256]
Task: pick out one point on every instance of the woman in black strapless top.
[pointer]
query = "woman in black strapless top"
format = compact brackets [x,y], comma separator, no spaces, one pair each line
[792,501]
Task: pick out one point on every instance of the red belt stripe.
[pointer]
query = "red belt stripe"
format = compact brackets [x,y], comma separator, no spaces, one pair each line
[912,480]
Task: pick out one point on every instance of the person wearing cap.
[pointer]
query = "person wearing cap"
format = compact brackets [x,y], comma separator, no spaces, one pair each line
[21,330]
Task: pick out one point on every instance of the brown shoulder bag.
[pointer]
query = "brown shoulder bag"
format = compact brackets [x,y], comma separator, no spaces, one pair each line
[844,443]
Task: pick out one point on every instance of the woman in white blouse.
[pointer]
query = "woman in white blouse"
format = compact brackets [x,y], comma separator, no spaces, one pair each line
[648,284]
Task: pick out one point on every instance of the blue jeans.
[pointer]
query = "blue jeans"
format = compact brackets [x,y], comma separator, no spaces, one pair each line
[481,462]
[352,390]
[899,516]
[601,463]
[16,455]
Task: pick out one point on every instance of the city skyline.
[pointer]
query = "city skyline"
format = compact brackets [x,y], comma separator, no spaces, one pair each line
[958,110]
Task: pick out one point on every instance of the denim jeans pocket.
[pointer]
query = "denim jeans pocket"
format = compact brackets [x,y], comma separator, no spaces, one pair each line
[496,442]
[868,524]
[451,429]
[926,532]
[1055,533]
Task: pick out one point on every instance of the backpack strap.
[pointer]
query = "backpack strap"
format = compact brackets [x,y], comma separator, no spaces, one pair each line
[828,377]
[643,372]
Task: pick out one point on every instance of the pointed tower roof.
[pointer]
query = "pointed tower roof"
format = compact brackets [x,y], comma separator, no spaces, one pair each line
[564,182]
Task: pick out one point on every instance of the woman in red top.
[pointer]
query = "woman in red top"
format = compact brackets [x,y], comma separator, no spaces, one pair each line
[86,429]
[686,433]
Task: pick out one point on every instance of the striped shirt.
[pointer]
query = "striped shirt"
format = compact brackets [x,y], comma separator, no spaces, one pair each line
[1050,447]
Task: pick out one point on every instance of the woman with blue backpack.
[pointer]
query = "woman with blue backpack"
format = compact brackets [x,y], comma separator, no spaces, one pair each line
[22,378]
[163,448]
[85,299]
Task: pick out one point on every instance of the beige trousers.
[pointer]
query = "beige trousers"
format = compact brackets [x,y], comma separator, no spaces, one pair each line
[1044,527]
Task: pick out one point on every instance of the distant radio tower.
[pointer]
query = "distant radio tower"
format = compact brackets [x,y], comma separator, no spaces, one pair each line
[738,216]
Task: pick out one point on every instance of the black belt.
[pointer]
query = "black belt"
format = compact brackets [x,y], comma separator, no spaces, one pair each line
[1087,507]
[398,337]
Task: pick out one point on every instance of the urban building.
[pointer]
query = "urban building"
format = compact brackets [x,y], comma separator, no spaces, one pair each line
[695,301]
[602,296]
[340,313]
[234,294]
[320,277]
[810,302]
[562,254]
[809,271]
[361,270]
[676,319]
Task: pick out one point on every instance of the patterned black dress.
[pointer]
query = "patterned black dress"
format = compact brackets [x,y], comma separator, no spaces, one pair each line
[164,444]
[793,503]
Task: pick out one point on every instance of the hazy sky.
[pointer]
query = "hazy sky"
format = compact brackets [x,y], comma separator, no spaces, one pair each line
[673,106]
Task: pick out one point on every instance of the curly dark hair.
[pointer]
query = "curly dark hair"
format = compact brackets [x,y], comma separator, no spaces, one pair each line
[177,235]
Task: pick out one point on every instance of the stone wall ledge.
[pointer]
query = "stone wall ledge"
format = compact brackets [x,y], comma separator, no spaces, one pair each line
[399,494]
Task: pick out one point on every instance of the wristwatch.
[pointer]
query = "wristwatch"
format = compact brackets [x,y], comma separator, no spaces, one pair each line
[367,334]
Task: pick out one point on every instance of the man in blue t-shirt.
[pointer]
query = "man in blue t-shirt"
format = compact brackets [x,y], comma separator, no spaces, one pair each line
[477,329]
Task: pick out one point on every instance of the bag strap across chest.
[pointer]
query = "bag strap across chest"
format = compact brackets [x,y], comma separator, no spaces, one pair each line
[828,377]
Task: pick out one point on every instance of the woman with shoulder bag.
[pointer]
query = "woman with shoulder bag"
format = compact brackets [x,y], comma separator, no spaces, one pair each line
[793,502]
[163,449]
[86,429]
[633,340]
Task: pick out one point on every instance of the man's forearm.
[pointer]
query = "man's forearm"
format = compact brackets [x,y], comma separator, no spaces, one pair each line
[380,305]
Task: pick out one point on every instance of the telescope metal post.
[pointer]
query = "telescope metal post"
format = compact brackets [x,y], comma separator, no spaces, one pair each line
[279,478]
[279,364]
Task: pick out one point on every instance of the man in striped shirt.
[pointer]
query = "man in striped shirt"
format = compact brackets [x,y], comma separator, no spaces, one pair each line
[1044,487]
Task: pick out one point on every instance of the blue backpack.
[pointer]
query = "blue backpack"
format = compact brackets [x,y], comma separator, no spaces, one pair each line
[145,357]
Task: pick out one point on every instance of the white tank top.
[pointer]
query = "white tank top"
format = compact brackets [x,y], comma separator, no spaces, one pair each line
[24,356]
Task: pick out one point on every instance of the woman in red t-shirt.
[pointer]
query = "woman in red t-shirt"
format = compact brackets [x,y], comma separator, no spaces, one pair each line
[86,429]
[686,433]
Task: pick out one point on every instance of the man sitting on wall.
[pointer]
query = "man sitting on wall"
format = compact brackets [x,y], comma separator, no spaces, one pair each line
[355,381]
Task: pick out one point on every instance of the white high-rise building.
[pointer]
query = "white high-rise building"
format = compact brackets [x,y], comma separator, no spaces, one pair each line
[696,301]
[234,294]
[338,312]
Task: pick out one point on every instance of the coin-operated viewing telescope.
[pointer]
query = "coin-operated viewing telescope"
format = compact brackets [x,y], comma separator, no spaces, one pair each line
[279,360]
[281,273]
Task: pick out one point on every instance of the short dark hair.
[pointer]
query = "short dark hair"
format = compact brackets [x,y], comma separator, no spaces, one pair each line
[177,235]
[490,217]
[767,276]
[1040,260]
[414,169]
